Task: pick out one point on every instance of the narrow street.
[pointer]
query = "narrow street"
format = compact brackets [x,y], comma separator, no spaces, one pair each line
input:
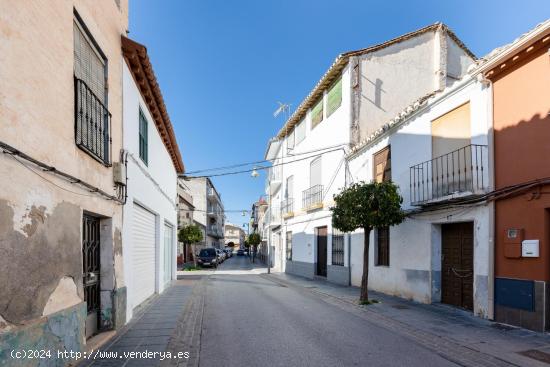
[251,321]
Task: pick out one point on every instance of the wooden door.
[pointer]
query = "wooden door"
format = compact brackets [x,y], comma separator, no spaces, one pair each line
[322,251]
[457,268]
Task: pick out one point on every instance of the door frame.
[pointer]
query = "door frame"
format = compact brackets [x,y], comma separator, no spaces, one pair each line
[93,317]
[320,267]
[459,274]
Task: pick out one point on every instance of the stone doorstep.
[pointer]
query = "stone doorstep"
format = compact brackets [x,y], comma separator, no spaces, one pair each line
[98,340]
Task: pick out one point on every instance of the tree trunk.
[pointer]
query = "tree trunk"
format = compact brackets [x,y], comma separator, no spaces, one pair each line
[365,279]
[194,253]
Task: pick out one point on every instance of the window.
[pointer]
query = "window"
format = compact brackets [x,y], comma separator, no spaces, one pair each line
[300,132]
[382,165]
[143,142]
[334,97]
[290,140]
[315,172]
[383,246]
[337,248]
[317,114]
[92,119]
[289,246]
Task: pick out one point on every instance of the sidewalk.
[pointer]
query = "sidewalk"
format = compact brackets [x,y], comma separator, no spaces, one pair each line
[150,330]
[438,326]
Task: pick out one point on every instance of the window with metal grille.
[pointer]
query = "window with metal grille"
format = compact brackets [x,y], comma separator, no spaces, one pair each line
[383,246]
[92,118]
[143,137]
[382,165]
[289,245]
[337,247]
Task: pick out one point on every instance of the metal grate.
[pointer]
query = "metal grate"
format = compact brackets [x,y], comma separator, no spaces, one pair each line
[459,171]
[288,206]
[92,123]
[91,262]
[337,248]
[312,197]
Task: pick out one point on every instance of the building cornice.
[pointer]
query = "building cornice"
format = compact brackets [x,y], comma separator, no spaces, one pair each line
[138,62]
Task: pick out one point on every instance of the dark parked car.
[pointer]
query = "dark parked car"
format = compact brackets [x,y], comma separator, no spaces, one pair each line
[240,252]
[208,257]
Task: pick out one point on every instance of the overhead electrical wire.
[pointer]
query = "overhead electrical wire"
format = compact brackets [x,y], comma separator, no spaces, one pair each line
[261,161]
[260,168]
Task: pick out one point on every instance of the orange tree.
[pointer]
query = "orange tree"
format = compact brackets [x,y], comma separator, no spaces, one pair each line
[367,206]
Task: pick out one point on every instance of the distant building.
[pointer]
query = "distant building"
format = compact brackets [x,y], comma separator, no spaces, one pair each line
[186,211]
[209,211]
[234,234]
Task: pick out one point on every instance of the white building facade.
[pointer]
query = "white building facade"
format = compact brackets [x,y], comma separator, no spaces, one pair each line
[438,155]
[337,137]
[153,164]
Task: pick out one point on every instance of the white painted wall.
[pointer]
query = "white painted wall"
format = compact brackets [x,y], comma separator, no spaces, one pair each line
[415,244]
[154,186]
[332,131]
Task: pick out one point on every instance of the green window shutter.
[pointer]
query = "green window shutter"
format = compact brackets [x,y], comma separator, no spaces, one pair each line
[334,97]
[143,138]
[317,113]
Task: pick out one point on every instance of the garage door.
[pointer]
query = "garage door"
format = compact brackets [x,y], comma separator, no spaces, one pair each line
[143,259]
[168,252]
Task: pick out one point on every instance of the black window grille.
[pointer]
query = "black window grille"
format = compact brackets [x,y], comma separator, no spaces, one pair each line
[92,123]
[289,245]
[312,197]
[337,248]
[383,246]
[143,137]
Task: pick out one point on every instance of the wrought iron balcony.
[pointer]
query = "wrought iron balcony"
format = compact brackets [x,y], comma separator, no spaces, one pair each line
[288,207]
[92,123]
[456,174]
[312,198]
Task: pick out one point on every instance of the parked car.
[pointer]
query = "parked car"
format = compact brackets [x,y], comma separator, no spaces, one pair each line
[240,252]
[208,257]
[221,255]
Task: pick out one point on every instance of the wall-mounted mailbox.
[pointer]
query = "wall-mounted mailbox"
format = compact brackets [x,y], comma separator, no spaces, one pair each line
[530,248]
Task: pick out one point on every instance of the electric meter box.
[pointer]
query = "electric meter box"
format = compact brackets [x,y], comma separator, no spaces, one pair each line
[530,248]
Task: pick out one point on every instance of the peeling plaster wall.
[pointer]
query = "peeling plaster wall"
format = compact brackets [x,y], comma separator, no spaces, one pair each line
[41,292]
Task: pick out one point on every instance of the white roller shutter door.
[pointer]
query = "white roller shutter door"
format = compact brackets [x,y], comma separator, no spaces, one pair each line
[144,254]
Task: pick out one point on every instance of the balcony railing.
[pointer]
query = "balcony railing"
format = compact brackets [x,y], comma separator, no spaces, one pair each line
[312,198]
[92,123]
[273,216]
[288,207]
[456,173]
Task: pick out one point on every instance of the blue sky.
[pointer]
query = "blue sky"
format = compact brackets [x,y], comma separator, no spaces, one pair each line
[223,65]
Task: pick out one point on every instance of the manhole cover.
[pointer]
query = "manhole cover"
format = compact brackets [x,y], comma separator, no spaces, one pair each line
[400,307]
[537,355]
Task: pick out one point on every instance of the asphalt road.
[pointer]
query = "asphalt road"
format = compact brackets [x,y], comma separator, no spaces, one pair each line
[251,321]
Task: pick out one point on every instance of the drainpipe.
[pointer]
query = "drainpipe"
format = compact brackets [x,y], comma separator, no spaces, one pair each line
[491,172]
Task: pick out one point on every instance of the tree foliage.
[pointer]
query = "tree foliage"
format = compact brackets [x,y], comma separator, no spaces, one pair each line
[367,206]
[190,234]
[254,239]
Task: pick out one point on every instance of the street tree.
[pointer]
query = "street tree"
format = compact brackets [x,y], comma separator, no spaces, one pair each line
[254,240]
[367,206]
[191,235]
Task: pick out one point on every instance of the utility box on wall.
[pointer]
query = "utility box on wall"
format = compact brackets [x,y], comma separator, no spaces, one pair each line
[513,238]
[530,248]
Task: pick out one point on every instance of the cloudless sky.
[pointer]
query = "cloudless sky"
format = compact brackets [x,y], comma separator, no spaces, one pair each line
[223,65]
